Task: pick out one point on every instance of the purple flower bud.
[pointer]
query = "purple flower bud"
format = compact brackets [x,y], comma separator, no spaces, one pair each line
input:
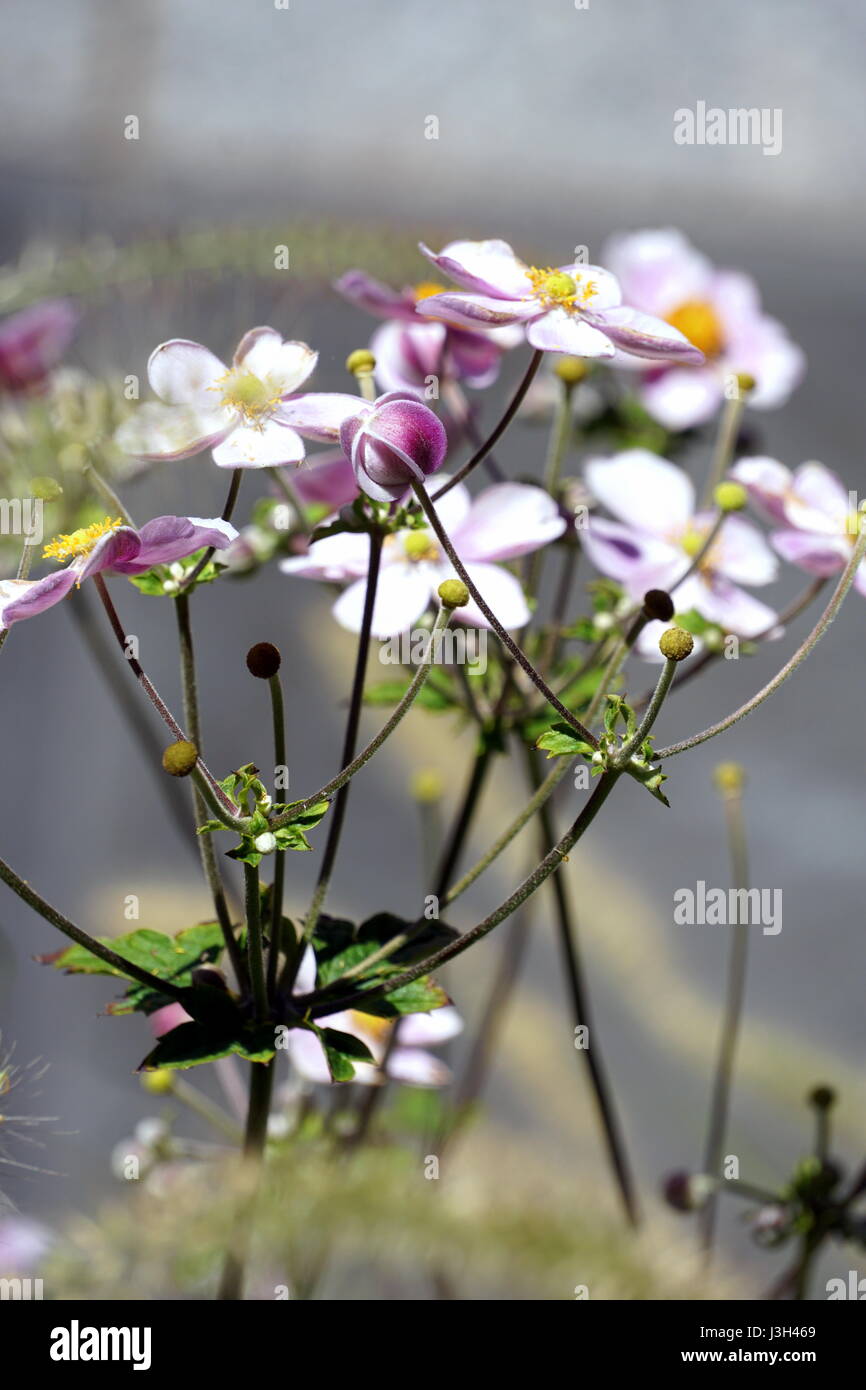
[392,441]
[32,343]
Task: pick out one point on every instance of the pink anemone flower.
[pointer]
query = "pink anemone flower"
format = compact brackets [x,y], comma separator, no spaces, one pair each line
[32,343]
[719,311]
[409,350]
[500,524]
[657,534]
[574,308]
[820,519]
[247,414]
[107,547]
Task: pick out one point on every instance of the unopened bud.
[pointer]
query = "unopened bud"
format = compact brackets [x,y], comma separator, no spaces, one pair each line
[158,1083]
[266,843]
[360,362]
[180,758]
[730,497]
[263,660]
[453,593]
[571,370]
[427,786]
[657,603]
[730,778]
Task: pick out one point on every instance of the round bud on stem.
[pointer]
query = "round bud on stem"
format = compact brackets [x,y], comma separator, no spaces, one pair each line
[453,593]
[158,1083]
[263,660]
[360,362]
[746,383]
[730,497]
[265,843]
[676,644]
[730,778]
[658,604]
[427,786]
[571,370]
[180,758]
[685,1191]
[822,1098]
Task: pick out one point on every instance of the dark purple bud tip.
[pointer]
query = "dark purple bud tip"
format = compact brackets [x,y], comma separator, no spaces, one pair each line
[180,758]
[211,977]
[823,1097]
[676,1190]
[263,660]
[657,603]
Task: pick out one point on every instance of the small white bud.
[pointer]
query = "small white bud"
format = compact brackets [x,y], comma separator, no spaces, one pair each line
[265,844]
[170,586]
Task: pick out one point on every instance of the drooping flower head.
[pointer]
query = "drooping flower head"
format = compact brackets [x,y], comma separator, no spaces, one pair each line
[658,533]
[661,273]
[238,412]
[576,308]
[502,523]
[820,519]
[409,349]
[110,547]
[32,343]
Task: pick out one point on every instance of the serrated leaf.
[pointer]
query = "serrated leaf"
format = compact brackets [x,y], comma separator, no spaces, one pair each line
[560,740]
[419,996]
[171,958]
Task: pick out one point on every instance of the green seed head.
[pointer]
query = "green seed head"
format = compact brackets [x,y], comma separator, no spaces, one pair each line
[571,370]
[745,382]
[427,786]
[730,497]
[676,644]
[159,1082]
[453,593]
[730,778]
[559,285]
[180,758]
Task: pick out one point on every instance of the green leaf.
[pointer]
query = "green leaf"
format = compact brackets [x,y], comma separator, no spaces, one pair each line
[418,997]
[171,958]
[153,581]
[192,1044]
[560,740]
[430,697]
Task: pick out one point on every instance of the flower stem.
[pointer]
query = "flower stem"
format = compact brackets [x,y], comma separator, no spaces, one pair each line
[726,441]
[278,719]
[319,1007]
[657,699]
[818,631]
[579,996]
[108,495]
[737,961]
[255,951]
[209,863]
[227,514]
[255,1138]
[81,938]
[505,637]
[492,439]
[400,711]
[150,689]
[350,740]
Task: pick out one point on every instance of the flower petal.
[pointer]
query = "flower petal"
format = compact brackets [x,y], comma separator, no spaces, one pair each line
[740,552]
[767,482]
[643,490]
[383,301]
[558,331]
[815,553]
[407,354]
[500,591]
[818,501]
[185,373]
[169,538]
[403,593]
[507,520]
[319,414]
[683,397]
[490,267]
[113,550]
[24,598]
[658,269]
[413,1067]
[326,480]
[642,335]
[428,1029]
[157,431]
[285,365]
[267,447]
[735,610]
[470,310]
[334,558]
[33,341]
[636,559]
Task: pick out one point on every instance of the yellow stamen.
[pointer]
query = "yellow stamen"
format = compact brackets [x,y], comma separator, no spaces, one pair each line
[697,319]
[254,399]
[426,288]
[81,542]
[558,290]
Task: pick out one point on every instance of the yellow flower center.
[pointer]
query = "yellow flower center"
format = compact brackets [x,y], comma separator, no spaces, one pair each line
[419,545]
[251,397]
[698,321]
[557,290]
[81,542]
[426,288]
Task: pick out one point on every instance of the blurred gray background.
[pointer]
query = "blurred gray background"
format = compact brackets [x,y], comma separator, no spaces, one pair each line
[555,128]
